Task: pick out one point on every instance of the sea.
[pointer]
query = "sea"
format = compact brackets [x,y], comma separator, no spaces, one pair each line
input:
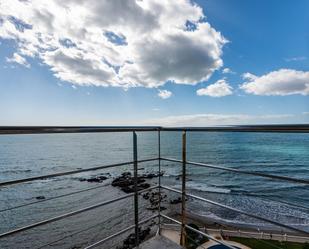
[23,156]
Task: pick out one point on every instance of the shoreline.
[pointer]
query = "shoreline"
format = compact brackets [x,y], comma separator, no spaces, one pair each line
[213,226]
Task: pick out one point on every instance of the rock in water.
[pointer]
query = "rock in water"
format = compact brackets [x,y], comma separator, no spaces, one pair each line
[41,197]
[176,201]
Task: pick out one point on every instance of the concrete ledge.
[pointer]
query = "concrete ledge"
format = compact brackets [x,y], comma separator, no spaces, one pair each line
[159,242]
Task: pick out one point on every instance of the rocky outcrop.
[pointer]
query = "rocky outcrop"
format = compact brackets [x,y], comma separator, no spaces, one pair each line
[176,201]
[126,181]
[97,179]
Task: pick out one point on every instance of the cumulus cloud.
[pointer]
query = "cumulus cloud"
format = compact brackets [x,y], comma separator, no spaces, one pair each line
[16,58]
[249,76]
[219,89]
[227,71]
[282,82]
[115,43]
[219,119]
[164,94]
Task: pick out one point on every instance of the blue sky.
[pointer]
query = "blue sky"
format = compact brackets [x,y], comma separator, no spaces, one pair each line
[175,77]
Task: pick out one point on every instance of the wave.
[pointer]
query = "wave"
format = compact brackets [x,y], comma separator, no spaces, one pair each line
[212,217]
[15,171]
[204,188]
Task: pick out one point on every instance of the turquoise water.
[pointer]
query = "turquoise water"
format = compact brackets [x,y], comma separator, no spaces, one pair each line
[31,155]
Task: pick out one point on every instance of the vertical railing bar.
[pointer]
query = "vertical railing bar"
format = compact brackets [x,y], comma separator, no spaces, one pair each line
[135,189]
[183,189]
[159,162]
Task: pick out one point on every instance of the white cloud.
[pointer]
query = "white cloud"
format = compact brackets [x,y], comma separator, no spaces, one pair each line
[299,58]
[115,43]
[219,89]
[219,119]
[282,82]
[164,94]
[305,113]
[16,58]
[227,71]
[249,76]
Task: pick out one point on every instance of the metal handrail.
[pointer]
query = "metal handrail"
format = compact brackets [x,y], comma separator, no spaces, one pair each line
[295,128]
[211,166]
[71,129]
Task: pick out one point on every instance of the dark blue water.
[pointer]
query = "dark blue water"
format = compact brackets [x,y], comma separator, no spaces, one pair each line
[31,155]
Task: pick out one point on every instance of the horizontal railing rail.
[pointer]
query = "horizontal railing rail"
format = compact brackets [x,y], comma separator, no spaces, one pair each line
[211,166]
[71,172]
[71,129]
[294,128]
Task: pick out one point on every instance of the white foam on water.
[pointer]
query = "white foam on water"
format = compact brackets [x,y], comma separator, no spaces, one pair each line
[205,188]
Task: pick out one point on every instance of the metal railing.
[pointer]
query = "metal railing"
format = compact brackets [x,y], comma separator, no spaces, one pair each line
[183,192]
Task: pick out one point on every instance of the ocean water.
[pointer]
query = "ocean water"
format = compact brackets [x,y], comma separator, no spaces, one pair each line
[31,155]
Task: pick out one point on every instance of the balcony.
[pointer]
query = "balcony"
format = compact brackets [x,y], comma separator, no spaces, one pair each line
[167,231]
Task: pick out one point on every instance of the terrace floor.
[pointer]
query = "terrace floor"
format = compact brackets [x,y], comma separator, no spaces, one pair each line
[159,242]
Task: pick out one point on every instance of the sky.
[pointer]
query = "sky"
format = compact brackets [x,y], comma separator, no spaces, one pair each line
[154,62]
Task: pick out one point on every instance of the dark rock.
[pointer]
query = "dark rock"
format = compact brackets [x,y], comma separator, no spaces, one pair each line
[97,179]
[126,182]
[146,196]
[126,174]
[122,182]
[130,189]
[154,208]
[176,201]
[40,197]
[127,189]
[143,186]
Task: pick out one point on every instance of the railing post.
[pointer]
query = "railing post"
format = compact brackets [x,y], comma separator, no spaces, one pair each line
[159,162]
[135,190]
[183,190]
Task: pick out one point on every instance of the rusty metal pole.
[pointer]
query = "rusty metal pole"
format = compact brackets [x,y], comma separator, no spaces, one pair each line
[159,155]
[135,189]
[183,190]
